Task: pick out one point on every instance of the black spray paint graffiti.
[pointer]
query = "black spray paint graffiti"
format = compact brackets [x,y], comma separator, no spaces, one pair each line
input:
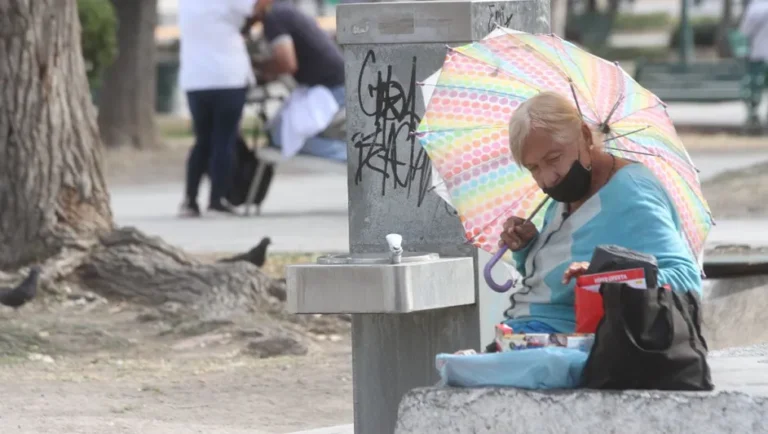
[498,17]
[392,107]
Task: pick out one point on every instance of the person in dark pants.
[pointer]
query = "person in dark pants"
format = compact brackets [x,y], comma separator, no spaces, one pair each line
[215,74]
[216,115]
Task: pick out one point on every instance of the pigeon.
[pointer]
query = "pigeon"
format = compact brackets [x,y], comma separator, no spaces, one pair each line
[20,295]
[256,256]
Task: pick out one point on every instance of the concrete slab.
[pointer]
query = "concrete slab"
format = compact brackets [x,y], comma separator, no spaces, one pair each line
[340,429]
[749,232]
[729,115]
[739,405]
[304,211]
[735,311]
[713,163]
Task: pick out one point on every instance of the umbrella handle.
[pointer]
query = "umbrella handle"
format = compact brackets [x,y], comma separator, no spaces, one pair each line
[489,278]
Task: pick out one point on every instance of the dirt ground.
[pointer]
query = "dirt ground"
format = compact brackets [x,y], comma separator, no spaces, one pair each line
[741,194]
[96,367]
[86,365]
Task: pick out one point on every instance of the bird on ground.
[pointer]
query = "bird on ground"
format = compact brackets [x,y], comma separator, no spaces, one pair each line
[20,295]
[256,256]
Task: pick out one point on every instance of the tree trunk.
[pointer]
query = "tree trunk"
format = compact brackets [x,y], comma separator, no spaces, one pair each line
[558,16]
[721,38]
[127,97]
[52,190]
[613,8]
[54,203]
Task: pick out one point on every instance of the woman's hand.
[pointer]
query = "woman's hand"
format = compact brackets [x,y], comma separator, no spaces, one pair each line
[575,270]
[517,233]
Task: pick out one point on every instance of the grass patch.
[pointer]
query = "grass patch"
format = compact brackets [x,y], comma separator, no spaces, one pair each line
[171,127]
[643,22]
[632,53]
[276,262]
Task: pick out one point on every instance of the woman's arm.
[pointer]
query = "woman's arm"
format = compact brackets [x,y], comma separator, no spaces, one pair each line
[521,256]
[651,225]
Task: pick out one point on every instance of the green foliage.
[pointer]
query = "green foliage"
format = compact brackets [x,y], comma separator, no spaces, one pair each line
[99,37]
[704,32]
[643,22]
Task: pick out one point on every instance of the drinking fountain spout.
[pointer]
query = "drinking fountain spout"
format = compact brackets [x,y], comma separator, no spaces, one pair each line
[395,242]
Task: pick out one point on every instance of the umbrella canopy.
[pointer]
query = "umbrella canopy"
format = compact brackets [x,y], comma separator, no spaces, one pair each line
[472,98]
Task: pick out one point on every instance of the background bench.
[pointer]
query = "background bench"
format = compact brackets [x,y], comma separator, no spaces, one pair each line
[736,79]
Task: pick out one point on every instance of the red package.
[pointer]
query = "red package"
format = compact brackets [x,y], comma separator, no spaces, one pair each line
[589,302]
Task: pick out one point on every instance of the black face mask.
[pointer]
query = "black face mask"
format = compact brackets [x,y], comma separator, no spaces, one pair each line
[574,186]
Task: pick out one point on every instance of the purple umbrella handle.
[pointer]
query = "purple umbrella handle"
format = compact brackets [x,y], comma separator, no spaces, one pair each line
[489,278]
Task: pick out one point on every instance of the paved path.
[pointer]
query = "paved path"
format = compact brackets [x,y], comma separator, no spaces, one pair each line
[727,115]
[307,211]
[340,429]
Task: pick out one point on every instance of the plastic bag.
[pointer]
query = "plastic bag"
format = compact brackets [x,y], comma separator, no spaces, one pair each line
[540,368]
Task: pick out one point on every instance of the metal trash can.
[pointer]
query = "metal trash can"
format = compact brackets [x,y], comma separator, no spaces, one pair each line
[166,84]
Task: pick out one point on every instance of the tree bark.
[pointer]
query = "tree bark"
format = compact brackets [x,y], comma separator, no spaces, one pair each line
[52,190]
[721,38]
[127,97]
[54,203]
[558,16]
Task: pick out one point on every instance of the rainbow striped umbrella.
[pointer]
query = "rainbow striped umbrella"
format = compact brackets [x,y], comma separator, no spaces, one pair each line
[473,96]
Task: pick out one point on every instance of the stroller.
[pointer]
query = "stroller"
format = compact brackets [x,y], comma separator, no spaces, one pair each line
[252,177]
[254,170]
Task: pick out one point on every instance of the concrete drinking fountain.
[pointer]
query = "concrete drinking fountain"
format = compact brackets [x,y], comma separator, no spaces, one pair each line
[392,281]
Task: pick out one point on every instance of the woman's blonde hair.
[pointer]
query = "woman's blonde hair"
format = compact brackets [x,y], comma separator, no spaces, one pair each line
[547,111]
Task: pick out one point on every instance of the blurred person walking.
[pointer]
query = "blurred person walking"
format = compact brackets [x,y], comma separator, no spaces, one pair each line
[215,73]
[754,25]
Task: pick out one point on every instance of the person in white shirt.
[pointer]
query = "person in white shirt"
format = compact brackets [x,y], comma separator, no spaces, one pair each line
[215,73]
[754,25]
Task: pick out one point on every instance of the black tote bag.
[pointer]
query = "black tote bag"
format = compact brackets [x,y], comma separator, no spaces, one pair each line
[648,339]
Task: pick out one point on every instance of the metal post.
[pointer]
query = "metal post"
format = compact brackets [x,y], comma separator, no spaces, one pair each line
[686,34]
[388,49]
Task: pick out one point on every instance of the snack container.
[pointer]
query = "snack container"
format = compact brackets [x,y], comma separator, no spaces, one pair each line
[589,303]
[583,343]
[508,340]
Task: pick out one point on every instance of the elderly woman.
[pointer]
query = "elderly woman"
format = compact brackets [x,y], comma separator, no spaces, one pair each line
[598,199]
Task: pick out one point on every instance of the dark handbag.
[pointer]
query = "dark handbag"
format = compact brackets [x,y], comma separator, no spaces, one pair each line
[648,339]
[246,165]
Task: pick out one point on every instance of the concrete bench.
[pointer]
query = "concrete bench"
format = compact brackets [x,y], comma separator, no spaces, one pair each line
[735,312]
[738,405]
